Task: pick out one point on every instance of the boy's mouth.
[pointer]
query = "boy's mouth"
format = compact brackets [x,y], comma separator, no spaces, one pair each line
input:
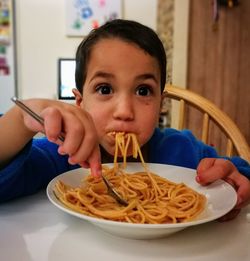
[112,136]
[114,133]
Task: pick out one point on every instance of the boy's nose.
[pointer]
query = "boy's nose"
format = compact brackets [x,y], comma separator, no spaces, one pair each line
[124,109]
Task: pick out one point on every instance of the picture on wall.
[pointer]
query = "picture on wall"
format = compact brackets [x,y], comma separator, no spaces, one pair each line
[5,20]
[84,15]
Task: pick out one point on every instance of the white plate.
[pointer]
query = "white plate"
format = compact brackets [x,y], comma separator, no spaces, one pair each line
[221,198]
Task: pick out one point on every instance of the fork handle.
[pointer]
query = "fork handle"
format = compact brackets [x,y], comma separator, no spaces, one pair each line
[32,114]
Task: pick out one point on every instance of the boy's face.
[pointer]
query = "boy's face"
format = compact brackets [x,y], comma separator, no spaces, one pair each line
[122,91]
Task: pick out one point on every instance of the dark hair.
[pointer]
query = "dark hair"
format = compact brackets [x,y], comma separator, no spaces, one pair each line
[127,30]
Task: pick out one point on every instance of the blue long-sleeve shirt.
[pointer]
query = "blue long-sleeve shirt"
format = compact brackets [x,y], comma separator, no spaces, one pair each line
[39,162]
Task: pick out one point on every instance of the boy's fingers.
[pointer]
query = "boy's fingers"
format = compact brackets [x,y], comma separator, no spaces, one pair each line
[84,165]
[205,164]
[213,169]
[95,162]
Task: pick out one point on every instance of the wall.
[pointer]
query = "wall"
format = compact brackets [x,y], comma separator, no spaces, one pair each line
[172,28]
[180,52]
[41,40]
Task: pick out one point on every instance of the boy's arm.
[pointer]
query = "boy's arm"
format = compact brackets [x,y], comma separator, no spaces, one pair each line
[31,169]
[14,135]
[17,128]
[212,169]
[206,151]
[235,171]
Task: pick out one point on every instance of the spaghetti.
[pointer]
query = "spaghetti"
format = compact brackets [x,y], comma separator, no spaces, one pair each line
[152,199]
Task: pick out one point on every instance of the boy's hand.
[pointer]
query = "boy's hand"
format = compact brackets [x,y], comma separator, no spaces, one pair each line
[212,169]
[76,126]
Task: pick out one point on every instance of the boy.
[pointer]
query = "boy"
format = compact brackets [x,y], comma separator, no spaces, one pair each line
[120,75]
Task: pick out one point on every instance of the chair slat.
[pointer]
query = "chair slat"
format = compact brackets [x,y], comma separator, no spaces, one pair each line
[205,128]
[229,150]
[182,114]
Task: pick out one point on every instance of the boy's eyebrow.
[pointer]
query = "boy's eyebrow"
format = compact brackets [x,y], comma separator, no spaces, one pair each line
[101,74]
[144,76]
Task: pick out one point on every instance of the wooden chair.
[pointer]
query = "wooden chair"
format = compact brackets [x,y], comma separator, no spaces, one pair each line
[236,142]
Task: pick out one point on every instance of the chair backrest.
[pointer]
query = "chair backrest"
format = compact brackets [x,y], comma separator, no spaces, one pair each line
[236,142]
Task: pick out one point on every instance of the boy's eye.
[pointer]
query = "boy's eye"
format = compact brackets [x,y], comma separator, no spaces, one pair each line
[104,89]
[143,91]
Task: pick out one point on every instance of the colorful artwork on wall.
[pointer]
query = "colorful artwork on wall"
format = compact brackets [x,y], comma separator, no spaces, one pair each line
[84,15]
[5,35]
[5,18]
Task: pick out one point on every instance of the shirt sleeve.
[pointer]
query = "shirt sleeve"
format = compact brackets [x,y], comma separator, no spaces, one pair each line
[32,169]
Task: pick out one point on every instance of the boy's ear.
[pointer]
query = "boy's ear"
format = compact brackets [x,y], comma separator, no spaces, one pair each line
[163,97]
[78,96]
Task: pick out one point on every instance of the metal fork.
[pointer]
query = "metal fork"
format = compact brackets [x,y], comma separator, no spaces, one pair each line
[38,118]
[112,192]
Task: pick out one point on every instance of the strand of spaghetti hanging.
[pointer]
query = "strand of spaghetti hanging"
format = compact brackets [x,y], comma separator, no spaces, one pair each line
[123,147]
[138,151]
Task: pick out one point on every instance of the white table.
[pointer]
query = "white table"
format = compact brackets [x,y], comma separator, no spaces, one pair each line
[32,228]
